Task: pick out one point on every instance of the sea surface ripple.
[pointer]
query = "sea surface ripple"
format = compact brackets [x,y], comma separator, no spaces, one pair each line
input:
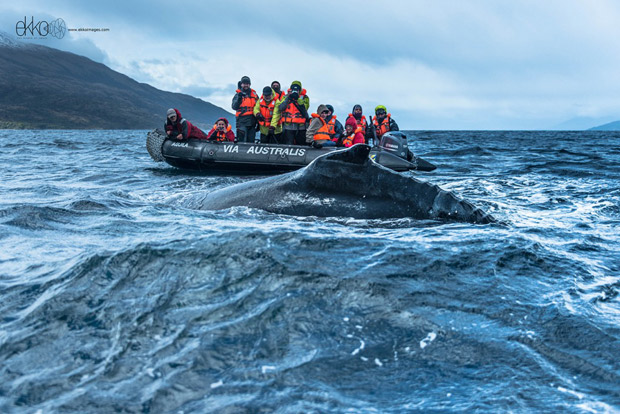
[118,296]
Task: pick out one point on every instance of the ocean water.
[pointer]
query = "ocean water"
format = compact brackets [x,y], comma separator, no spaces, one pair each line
[117,296]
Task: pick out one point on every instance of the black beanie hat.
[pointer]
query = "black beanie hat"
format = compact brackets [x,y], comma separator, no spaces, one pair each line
[246,79]
[267,91]
[331,108]
[356,106]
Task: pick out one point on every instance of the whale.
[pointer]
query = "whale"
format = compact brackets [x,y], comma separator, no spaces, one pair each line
[346,183]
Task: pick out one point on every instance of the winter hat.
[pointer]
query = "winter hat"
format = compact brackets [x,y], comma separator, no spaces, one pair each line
[222,119]
[274,88]
[331,108]
[351,121]
[267,91]
[246,79]
[356,106]
[170,112]
[296,85]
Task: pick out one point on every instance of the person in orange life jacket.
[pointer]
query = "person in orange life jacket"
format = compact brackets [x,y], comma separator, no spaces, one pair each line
[178,127]
[360,119]
[383,122]
[221,131]
[292,112]
[278,94]
[263,112]
[320,132]
[339,129]
[352,134]
[243,102]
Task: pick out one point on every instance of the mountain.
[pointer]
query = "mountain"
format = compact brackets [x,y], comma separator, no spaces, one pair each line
[45,88]
[611,126]
[581,123]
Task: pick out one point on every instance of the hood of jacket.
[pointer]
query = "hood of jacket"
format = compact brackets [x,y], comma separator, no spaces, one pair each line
[320,109]
[222,119]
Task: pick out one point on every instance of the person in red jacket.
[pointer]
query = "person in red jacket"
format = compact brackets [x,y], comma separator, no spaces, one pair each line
[352,134]
[178,127]
[360,119]
[221,131]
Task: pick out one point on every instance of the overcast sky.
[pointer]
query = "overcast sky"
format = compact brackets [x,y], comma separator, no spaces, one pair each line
[435,64]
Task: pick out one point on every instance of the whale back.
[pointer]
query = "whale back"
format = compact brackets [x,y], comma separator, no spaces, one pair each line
[347,183]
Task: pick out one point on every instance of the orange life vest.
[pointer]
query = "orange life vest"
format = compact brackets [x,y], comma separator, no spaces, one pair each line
[360,123]
[347,140]
[278,96]
[291,114]
[247,103]
[266,110]
[327,130]
[220,135]
[383,127]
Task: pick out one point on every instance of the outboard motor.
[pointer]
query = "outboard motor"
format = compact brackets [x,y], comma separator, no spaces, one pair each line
[393,152]
[396,143]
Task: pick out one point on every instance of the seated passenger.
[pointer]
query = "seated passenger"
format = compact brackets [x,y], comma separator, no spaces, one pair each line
[338,128]
[221,131]
[382,122]
[352,134]
[178,127]
[360,119]
[320,132]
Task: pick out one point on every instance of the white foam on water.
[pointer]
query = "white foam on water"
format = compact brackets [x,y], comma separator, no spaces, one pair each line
[217,384]
[267,368]
[597,407]
[360,348]
[379,363]
[571,392]
[429,338]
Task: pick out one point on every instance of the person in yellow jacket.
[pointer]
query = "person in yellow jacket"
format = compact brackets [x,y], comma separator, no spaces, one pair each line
[292,112]
[263,112]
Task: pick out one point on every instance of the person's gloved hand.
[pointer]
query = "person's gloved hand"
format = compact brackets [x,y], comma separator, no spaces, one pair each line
[260,117]
[315,144]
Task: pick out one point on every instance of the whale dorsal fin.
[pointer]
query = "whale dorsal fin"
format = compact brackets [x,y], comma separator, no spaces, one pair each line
[357,154]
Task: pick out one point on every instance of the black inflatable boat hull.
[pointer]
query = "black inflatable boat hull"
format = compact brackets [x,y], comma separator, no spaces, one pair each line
[228,157]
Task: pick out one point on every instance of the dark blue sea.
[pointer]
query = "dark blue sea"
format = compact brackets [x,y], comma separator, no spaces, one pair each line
[117,296]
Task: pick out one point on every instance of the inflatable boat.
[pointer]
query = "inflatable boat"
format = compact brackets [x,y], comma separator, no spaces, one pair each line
[246,158]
